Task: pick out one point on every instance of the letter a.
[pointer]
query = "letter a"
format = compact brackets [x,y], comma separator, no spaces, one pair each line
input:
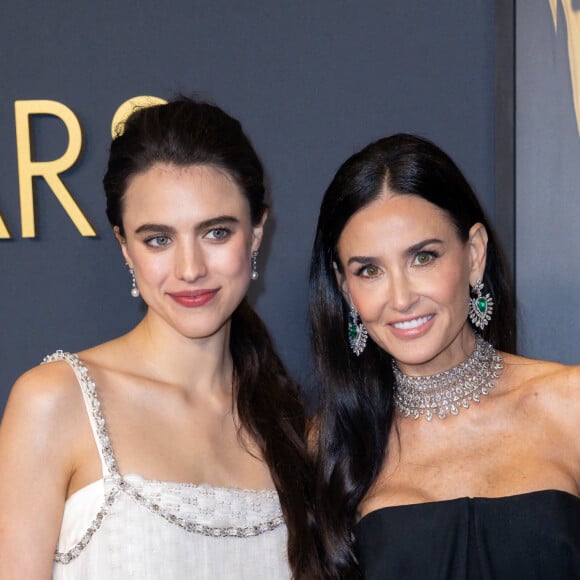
[50,170]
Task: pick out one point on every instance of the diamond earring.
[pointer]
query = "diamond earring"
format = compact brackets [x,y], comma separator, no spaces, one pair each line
[254,263]
[480,306]
[357,332]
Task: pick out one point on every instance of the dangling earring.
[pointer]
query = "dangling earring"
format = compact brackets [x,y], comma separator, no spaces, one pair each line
[254,263]
[357,332]
[134,289]
[480,307]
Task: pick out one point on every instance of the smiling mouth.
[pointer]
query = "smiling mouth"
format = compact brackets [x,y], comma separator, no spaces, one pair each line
[413,323]
[194,298]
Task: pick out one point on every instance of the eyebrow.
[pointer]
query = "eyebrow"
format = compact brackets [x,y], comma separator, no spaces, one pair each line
[410,251]
[420,245]
[361,260]
[222,219]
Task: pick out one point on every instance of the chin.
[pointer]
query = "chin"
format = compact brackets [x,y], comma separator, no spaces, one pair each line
[413,356]
[203,331]
[197,335]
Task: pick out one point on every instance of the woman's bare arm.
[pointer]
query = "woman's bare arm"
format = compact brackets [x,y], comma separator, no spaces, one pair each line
[36,439]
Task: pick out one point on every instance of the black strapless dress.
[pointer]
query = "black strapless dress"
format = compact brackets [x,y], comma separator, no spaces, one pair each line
[533,536]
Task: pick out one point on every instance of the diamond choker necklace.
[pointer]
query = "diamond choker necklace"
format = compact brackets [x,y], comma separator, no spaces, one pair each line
[448,392]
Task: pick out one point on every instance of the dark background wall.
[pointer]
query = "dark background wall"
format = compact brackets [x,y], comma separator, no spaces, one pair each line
[312,81]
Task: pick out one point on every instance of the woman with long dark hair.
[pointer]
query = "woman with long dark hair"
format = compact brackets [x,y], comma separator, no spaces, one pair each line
[192,461]
[441,454]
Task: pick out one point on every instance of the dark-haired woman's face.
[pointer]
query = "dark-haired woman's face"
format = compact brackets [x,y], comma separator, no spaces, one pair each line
[407,272]
[189,236]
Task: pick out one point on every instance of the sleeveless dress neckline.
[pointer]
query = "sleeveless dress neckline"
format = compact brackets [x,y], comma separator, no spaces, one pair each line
[514,496]
[116,525]
[533,535]
[132,476]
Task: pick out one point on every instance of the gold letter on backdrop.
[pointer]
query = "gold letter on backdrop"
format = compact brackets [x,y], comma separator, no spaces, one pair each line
[4,233]
[572,18]
[128,107]
[27,169]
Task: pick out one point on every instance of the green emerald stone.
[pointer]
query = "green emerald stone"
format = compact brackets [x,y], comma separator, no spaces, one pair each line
[482,305]
[352,331]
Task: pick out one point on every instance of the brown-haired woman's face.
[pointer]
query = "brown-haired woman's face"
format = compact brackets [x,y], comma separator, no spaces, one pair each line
[407,272]
[188,237]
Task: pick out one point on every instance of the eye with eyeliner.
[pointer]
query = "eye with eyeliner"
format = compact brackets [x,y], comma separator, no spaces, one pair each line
[425,257]
[159,241]
[220,234]
[367,271]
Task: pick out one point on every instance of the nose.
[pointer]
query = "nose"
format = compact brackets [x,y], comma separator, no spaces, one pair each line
[190,262]
[402,295]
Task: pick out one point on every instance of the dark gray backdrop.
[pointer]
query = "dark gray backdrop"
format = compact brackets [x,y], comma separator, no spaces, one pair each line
[312,81]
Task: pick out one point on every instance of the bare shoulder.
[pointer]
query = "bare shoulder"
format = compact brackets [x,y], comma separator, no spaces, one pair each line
[549,389]
[562,384]
[117,354]
[533,374]
[44,399]
[38,438]
[46,387]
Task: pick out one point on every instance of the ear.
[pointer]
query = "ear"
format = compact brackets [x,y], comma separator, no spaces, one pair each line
[342,283]
[477,244]
[123,243]
[258,232]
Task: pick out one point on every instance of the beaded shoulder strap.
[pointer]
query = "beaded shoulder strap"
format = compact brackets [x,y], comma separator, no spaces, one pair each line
[93,407]
[121,486]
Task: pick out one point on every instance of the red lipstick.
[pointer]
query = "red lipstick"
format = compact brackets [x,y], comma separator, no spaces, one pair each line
[194,298]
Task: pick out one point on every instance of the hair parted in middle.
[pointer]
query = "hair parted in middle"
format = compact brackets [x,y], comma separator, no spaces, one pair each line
[357,412]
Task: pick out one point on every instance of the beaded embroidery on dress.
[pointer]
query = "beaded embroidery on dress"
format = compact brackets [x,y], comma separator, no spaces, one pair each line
[124,526]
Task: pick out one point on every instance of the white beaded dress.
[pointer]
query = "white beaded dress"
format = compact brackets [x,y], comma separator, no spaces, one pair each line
[123,526]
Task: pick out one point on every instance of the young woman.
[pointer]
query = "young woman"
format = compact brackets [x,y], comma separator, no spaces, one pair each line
[441,455]
[191,462]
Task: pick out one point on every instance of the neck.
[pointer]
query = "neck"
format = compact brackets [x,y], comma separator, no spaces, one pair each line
[196,364]
[449,391]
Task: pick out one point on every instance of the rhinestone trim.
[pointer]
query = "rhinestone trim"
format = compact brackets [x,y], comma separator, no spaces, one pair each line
[205,530]
[66,557]
[120,485]
[448,392]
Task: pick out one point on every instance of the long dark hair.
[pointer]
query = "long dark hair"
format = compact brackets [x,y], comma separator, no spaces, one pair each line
[356,412]
[186,132]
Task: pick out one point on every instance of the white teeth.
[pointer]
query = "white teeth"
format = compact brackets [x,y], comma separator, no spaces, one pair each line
[407,324]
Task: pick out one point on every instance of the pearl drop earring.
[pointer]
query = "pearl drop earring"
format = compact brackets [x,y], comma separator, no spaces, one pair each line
[134,289]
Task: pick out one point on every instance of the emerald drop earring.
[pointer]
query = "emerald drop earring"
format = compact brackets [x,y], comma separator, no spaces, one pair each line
[357,332]
[480,306]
